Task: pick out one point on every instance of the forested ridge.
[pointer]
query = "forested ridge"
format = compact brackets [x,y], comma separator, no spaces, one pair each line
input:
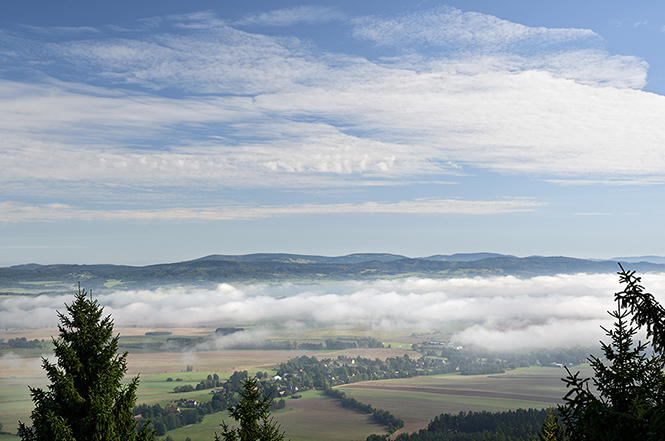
[215,269]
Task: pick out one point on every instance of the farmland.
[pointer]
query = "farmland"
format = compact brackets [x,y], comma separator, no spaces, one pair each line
[415,400]
[418,400]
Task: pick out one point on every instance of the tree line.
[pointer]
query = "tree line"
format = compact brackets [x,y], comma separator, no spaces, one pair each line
[22,343]
[390,421]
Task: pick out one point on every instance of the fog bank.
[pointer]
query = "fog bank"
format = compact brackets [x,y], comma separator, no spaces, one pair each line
[496,312]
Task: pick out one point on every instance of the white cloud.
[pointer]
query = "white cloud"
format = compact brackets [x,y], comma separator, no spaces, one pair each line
[291,16]
[593,214]
[252,110]
[448,27]
[403,125]
[596,67]
[551,333]
[498,312]
[616,182]
[61,30]
[221,60]
[17,212]
[630,23]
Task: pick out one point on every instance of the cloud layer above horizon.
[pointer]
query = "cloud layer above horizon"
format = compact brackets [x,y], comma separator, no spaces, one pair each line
[181,112]
[496,312]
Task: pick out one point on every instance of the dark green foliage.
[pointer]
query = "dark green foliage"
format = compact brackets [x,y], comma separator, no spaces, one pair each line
[227,395]
[277,405]
[165,419]
[228,330]
[160,428]
[383,417]
[86,399]
[552,429]
[629,402]
[253,415]
[22,343]
[484,368]
[513,425]
[645,310]
[310,372]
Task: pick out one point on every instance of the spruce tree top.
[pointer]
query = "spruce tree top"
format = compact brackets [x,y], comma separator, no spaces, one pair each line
[85,400]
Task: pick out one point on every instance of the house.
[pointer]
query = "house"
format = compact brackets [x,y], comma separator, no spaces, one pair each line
[186,403]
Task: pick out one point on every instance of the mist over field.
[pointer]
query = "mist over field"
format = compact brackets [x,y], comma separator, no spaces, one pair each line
[494,312]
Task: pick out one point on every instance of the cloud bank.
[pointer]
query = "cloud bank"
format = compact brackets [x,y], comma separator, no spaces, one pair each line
[196,101]
[15,212]
[496,312]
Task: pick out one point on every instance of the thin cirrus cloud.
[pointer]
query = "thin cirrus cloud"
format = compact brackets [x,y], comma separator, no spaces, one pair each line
[451,28]
[568,53]
[195,100]
[291,16]
[17,212]
[495,312]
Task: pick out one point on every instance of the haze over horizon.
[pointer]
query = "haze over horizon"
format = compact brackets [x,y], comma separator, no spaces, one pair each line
[144,132]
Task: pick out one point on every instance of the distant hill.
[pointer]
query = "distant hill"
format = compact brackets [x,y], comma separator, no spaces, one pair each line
[211,270]
[299,258]
[27,266]
[465,257]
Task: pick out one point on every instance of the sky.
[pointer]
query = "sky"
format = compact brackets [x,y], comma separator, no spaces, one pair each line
[144,132]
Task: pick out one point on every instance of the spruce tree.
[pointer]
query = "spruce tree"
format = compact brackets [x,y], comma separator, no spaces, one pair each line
[551,429]
[253,414]
[628,402]
[85,400]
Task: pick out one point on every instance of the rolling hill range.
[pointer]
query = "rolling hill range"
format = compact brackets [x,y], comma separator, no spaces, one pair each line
[208,271]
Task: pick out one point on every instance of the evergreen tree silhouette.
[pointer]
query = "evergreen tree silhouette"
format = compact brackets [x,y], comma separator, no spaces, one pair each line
[85,400]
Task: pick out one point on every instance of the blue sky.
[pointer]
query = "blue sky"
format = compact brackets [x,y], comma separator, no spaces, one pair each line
[143,132]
